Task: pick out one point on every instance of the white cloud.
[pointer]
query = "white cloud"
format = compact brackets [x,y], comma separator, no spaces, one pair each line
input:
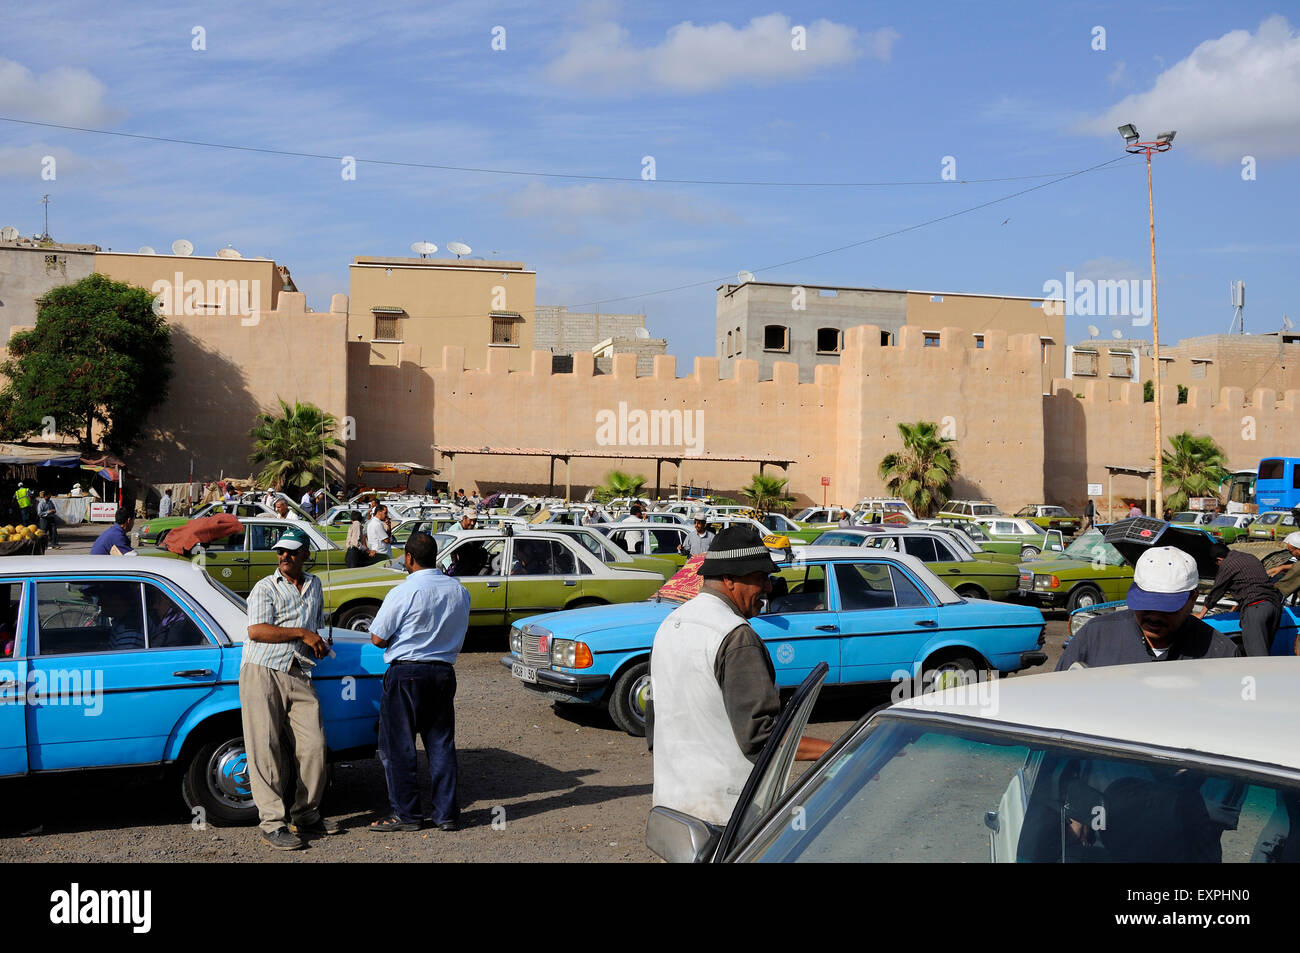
[1116,76]
[30,161]
[61,95]
[601,58]
[1233,96]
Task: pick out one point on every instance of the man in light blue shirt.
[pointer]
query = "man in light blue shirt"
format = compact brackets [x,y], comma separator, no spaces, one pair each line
[421,627]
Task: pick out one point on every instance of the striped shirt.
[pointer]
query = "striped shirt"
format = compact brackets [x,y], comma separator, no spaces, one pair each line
[276,601]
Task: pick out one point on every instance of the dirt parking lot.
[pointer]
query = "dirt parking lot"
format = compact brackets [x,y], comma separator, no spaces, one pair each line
[535,786]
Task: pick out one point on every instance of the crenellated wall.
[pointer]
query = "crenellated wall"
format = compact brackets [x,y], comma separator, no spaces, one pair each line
[1085,434]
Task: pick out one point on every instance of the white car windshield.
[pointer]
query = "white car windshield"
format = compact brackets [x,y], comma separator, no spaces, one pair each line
[888,795]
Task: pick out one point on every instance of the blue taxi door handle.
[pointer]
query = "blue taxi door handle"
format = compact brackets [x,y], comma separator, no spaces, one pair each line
[928,623]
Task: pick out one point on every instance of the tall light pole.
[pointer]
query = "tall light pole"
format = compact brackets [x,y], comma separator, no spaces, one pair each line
[1163,143]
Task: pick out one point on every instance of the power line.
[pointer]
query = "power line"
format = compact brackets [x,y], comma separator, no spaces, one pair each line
[528,173]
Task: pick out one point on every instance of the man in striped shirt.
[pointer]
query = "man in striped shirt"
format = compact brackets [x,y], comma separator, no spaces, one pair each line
[278,704]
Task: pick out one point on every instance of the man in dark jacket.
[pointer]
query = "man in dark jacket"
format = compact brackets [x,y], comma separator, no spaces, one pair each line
[1157,626]
[1258,600]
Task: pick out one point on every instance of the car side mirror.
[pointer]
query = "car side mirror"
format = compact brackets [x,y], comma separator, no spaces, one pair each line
[679,838]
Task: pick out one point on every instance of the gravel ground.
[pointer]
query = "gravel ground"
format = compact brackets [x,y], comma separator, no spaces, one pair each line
[536,784]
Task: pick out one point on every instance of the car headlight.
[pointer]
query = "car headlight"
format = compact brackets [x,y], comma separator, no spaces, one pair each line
[566,653]
[1046,582]
[516,641]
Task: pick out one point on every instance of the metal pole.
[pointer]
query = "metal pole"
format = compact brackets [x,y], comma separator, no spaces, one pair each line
[1155,347]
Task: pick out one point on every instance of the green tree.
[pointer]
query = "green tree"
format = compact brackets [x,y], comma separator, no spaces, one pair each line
[98,354]
[1195,466]
[619,484]
[294,446]
[767,493]
[922,472]
[1148,392]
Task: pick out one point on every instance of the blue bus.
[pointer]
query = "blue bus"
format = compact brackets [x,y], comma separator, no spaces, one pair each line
[1277,487]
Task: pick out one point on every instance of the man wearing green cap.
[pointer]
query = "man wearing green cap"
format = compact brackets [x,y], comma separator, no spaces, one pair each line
[278,703]
[715,702]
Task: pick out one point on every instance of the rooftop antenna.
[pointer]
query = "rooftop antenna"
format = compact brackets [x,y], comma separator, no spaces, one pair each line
[8,234]
[424,249]
[228,252]
[1093,332]
[183,247]
[1238,289]
[458,248]
[45,200]
[146,250]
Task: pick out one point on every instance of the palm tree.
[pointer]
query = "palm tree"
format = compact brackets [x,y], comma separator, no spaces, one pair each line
[294,446]
[619,484]
[767,493]
[1195,467]
[921,473]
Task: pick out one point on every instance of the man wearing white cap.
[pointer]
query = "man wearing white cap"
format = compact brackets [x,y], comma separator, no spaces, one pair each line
[468,521]
[1157,626]
[278,704]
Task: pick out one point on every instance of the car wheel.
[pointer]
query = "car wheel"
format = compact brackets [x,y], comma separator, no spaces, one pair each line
[1029,552]
[585,604]
[1083,597]
[948,673]
[627,699]
[216,781]
[971,592]
[358,617]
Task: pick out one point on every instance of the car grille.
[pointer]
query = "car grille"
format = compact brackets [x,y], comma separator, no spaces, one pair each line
[534,655]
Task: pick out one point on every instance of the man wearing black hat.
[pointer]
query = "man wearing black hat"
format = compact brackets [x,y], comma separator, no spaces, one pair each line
[715,701]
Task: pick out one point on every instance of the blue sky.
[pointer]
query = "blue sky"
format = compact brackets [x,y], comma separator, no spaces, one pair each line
[879,93]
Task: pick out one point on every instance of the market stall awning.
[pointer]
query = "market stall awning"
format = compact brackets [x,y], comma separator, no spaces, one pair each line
[16,453]
[402,469]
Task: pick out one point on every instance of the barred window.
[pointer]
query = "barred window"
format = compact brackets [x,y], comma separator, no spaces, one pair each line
[503,331]
[1084,364]
[386,328]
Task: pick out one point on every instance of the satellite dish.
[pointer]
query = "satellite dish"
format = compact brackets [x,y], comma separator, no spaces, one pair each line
[424,249]
[1287,323]
[9,233]
[458,248]
[228,252]
[642,333]
[1117,334]
[1092,330]
[745,276]
[183,247]
[146,250]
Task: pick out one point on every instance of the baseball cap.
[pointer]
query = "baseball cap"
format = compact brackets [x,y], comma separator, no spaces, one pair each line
[1293,539]
[469,511]
[291,539]
[1162,579]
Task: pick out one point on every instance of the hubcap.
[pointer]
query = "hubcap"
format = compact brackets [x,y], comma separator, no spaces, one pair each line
[361,623]
[637,695]
[228,775]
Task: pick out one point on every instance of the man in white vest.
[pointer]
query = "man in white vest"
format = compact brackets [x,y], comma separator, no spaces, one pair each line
[715,702]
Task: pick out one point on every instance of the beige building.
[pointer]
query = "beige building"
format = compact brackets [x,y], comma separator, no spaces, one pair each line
[29,268]
[199,285]
[769,323]
[1247,361]
[426,303]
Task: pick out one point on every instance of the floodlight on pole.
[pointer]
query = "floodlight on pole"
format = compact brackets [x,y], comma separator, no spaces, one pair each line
[1162,143]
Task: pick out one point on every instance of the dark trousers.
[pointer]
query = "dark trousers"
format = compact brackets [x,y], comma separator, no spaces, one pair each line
[418,700]
[1258,626]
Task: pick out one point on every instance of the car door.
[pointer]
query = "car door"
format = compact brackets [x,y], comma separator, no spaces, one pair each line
[801,628]
[884,616]
[543,577]
[226,560]
[14,634]
[118,662]
[479,564]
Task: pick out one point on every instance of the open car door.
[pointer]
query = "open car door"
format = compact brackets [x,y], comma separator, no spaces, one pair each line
[681,838]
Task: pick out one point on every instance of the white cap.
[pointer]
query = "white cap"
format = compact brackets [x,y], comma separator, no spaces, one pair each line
[470,512]
[1293,539]
[1162,579]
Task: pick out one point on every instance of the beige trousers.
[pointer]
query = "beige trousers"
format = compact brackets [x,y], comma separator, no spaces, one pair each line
[282,729]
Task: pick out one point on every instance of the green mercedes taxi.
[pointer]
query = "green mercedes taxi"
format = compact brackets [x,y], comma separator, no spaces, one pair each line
[510,574]
[1090,571]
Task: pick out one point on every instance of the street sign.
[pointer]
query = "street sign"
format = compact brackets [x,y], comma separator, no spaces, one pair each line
[1094,489]
[103,512]
[826,481]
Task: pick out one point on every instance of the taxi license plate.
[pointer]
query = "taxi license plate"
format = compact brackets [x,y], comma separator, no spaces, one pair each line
[523,672]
